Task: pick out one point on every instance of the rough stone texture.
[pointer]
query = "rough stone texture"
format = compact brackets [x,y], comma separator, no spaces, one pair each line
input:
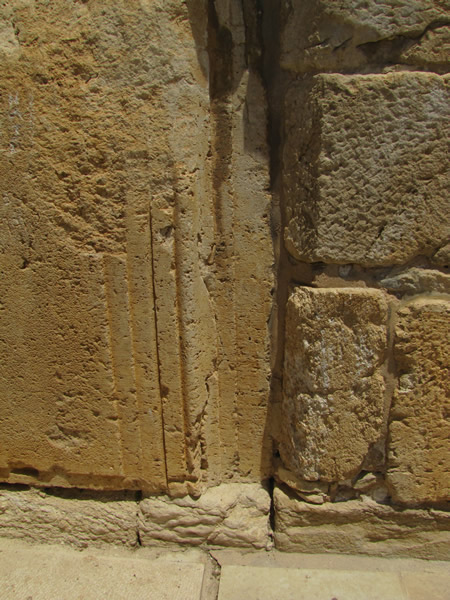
[328,35]
[364,168]
[416,281]
[135,252]
[333,391]
[35,516]
[360,527]
[228,515]
[419,431]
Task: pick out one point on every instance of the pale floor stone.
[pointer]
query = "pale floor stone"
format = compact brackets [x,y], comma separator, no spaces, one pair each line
[426,585]
[36,571]
[257,583]
[419,579]
[57,573]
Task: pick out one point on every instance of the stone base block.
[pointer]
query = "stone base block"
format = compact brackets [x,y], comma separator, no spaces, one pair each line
[360,527]
[35,516]
[230,514]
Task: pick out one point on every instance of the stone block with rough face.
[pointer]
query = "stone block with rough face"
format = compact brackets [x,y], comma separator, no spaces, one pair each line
[419,431]
[333,396]
[364,168]
[329,35]
[359,527]
[230,514]
[79,519]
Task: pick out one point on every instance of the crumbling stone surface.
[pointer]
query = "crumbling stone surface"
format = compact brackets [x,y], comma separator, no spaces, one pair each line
[328,35]
[415,281]
[227,515]
[333,390]
[80,520]
[364,168]
[359,527]
[419,431]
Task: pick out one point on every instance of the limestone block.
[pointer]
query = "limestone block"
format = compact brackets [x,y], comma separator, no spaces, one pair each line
[84,154]
[35,516]
[419,431]
[359,527]
[230,514]
[364,168]
[328,35]
[130,286]
[333,386]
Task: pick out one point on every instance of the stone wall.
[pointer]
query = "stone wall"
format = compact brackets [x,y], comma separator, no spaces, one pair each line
[361,100]
[224,273]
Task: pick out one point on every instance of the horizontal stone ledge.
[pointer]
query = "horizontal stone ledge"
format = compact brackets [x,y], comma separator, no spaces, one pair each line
[232,515]
[76,518]
[359,527]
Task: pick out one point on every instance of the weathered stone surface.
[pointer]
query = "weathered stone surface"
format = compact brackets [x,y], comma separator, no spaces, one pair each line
[311,491]
[227,515]
[417,281]
[364,168]
[135,250]
[360,527]
[419,431]
[333,386]
[39,517]
[329,35]
[431,49]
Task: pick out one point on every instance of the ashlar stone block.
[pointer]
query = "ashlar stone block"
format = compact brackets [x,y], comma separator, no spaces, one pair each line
[419,432]
[333,386]
[364,172]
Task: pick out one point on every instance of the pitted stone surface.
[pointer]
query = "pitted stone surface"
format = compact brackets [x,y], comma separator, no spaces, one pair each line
[419,431]
[364,161]
[135,249]
[332,36]
[333,394]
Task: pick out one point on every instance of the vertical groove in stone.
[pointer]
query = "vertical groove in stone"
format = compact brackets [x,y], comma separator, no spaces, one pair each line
[144,338]
[158,360]
[123,364]
[164,269]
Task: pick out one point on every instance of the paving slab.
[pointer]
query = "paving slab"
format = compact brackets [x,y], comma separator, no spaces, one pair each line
[59,573]
[260,583]
[420,586]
